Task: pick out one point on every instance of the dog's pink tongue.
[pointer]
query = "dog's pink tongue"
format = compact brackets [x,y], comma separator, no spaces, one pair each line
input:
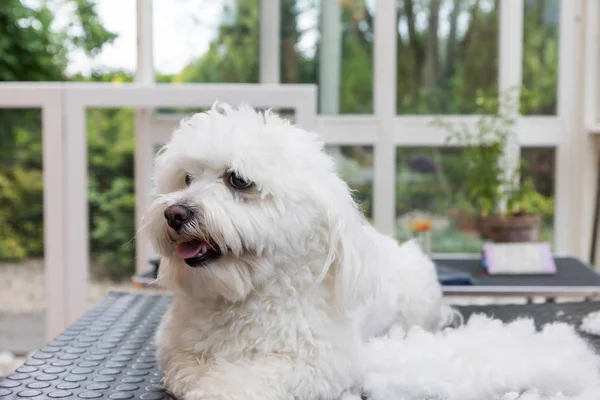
[188,249]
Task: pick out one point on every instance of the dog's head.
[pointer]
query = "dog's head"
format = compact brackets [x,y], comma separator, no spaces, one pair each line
[242,196]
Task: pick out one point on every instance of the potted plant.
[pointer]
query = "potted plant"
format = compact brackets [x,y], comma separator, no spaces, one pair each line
[507,207]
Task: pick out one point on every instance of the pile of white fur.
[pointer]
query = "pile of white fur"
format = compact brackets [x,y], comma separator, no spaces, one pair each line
[483,360]
[591,323]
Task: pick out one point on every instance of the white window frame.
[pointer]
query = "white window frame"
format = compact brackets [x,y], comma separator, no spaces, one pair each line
[48,98]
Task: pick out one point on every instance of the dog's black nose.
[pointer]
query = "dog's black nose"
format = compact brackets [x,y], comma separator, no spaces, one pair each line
[177,215]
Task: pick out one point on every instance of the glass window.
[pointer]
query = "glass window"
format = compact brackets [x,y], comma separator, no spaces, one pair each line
[540,57]
[447,53]
[541,168]
[111,198]
[111,201]
[330,43]
[67,40]
[206,41]
[21,185]
[22,286]
[430,184]
[355,165]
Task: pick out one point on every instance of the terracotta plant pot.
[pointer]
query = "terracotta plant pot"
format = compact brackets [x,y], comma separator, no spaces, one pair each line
[511,228]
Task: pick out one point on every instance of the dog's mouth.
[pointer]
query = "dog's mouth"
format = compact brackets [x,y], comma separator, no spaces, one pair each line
[197,253]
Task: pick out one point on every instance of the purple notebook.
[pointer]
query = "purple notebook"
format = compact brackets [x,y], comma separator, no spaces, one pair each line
[518,258]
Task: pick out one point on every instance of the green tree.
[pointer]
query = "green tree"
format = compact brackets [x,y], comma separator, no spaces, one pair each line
[442,74]
[30,50]
[540,57]
[233,55]
[111,189]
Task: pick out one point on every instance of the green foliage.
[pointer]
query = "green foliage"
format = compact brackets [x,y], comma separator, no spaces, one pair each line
[111,189]
[112,226]
[441,74]
[540,57]
[527,200]
[484,152]
[487,165]
[92,34]
[31,51]
[21,189]
[233,55]
[21,232]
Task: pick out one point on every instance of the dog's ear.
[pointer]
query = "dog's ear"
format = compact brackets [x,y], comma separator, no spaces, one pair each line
[350,251]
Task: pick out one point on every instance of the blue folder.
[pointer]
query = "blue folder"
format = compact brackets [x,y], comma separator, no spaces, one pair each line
[451,276]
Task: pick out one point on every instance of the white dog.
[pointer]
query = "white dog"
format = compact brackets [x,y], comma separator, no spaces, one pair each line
[278,280]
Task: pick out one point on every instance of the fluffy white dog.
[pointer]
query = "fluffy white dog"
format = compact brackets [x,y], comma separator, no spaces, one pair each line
[278,280]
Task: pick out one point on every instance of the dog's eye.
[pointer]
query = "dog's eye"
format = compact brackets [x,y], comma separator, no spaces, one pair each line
[237,182]
[188,180]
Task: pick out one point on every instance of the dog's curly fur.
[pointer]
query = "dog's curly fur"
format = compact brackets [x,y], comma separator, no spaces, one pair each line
[302,281]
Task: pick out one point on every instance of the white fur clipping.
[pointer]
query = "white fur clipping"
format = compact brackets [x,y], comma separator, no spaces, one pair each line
[483,360]
[591,323]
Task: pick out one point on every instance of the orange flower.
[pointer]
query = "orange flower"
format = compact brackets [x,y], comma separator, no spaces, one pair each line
[420,225]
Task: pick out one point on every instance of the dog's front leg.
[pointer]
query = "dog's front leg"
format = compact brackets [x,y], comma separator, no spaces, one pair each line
[189,378]
[270,378]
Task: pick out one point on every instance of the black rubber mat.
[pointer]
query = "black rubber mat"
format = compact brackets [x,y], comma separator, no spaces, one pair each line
[109,352]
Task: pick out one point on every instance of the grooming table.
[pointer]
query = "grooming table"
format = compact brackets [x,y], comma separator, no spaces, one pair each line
[573,278]
[109,352]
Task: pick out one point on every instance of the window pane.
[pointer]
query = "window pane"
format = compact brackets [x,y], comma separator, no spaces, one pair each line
[540,57]
[355,165]
[111,192]
[330,43]
[62,40]
[120,54]
[540,167]
[430,184]
[206,40]
[447,53]
[111,201]
[22,280]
